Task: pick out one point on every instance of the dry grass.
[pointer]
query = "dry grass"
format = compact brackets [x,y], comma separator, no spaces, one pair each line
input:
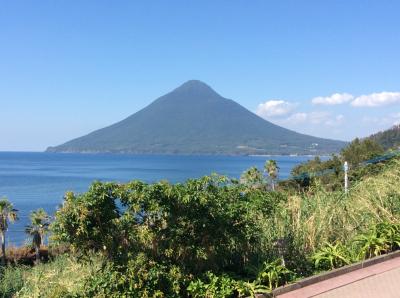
[63,277]
[321,216]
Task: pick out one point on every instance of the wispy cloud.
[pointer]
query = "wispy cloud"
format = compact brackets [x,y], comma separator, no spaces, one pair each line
[334,99]
[275,108]
[376,99]
[314,118]
[369,100]
[284,113]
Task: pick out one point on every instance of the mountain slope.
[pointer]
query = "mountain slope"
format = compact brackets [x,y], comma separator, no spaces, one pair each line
[194,119]
[389,138]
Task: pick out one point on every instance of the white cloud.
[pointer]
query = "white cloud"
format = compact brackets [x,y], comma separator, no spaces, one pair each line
[334,99]
[274,108]
[317,118]
[296,118]
[376,99]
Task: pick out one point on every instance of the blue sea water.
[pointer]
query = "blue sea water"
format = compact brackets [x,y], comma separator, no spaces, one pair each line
[39,180]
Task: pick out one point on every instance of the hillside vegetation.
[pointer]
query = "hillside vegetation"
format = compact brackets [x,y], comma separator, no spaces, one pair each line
[210,237]
[389,138]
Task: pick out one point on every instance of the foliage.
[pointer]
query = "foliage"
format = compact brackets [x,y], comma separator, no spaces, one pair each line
[251,289]
[329,173]
[214,286]
[318,216]
[141,277]
[204,224]
[360,150]
[225,286]
[39,226]
[379,239]
[63,277]
[213,237]
[7,214]
[89,221]
[253,178]
[391,233]
[272,169]
[331,256]
[389,138]
[213,224]
[274,274]
[11,280]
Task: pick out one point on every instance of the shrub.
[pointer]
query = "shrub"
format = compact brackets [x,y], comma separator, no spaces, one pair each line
[203,224]
[331,256]
[224,286]
[213,286]
[141,277]
[11,280]
[274,274]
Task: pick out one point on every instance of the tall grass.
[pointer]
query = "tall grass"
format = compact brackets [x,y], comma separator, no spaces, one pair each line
[11,280]
[318,216]
[62,277]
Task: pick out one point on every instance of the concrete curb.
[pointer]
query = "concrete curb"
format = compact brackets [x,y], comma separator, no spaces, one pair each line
[334,273]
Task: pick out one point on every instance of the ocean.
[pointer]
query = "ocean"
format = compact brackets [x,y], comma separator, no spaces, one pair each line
[39,180]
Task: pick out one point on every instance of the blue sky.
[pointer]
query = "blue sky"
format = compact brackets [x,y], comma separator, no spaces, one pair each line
[327,68]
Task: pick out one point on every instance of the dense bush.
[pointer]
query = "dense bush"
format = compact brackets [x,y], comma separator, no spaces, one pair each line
[141,277]
[205,224]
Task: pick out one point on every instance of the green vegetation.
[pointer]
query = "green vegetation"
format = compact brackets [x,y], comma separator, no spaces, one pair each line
[271,167]
[388,139]
[194,119]
[38,228]
[358,151]
[330,173]
[65,276]
[214,236]
[7,214]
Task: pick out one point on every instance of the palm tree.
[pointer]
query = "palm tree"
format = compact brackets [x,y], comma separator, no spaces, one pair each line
[7,214]
[272,169]
[252,178]
[39,226]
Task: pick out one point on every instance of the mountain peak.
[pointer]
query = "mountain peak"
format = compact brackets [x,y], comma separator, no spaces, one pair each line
[196,87]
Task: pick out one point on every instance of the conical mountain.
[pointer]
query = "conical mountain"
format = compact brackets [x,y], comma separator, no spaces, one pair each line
[194,119]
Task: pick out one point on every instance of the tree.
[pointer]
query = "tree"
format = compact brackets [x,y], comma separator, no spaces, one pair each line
[361,150]
[252,178]
[271,167]
[39,226]
[329,173]
[200,225]
[7,214]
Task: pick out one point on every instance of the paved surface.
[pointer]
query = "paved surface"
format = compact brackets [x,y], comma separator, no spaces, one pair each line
[386,284]
[377,281]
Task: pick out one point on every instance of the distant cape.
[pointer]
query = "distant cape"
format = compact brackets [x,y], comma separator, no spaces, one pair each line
[194,119]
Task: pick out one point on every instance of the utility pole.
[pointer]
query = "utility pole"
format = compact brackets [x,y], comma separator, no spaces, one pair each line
[346,180]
